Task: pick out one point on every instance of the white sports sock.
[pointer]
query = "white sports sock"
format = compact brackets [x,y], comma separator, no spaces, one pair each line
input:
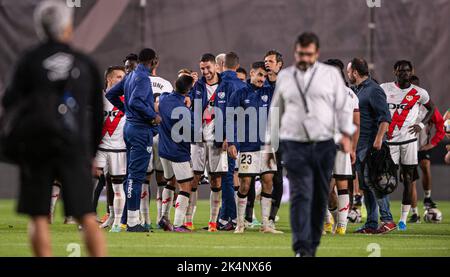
[414,210]
[241,205]
[192,206]
[55,195]
[145,202]
[328,217]
[214,201]
[133,218]
[119,203]
[343,208]
[180,209]
[159,191]
[167,201]
[405,211]
[266,204]
[427,193]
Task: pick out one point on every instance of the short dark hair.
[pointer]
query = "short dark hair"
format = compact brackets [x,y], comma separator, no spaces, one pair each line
[339,64]
[147,55]
[414,80]
[241,70]
[402,62]
[183,84]
[208,57]
[308,38]
[110,70]
[231,60]
[361,66]
[277,54]
[258,65]
[131,57]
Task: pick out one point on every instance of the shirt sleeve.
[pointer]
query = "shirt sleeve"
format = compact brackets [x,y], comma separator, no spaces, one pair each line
[424,97]
[343,106]
[114,94]
[276,113]
[438,121]
[141,99]
[233,103]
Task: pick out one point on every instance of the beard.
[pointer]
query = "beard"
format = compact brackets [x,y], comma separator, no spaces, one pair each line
[303,66]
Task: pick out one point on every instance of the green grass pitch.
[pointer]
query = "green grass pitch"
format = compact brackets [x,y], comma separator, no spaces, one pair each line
[419,240]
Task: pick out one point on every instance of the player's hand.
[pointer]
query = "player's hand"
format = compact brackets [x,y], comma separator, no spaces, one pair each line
[414,129]
[346,144]
[232,152]
[187,101]
[157,120]
[377,144]
[426,147]
[195,76]
[225,145]
[353,157]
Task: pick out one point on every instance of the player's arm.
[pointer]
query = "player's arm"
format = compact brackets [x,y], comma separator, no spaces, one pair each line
[96,106]
[276,112]
[140,101]
[233,103]
[429,105]
[17,86]
[438,122]
[344,113]
[378,103]
[114,94]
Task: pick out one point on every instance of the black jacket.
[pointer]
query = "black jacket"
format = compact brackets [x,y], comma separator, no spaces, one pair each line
[55,92]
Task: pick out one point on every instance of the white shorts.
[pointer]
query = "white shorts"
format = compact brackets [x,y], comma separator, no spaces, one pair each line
[214,159]
[181,171]
[253,164]
[342,166]
[405,154]
[115,163]
[157,166]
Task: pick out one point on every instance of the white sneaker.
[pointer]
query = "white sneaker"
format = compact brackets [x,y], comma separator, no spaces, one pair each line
[239,229]
[269,230]
[271,224]
[70,220]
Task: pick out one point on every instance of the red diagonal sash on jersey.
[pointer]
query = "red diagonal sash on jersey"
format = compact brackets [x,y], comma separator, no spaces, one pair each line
[111,126]
[398,119]
[208,115]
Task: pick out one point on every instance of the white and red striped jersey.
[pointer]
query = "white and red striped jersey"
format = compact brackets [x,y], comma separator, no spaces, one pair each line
[354,99]
[112,133]
[404,105]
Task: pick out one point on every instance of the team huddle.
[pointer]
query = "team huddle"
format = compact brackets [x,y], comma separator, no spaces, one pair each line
[204,152]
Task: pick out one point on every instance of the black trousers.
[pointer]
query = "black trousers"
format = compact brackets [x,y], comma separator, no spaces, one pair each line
[309,167]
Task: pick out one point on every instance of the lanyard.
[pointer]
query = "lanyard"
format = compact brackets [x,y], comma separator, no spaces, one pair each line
[303,93]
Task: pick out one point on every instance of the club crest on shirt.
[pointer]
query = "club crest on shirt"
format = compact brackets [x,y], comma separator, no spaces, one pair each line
[409,98]
[265,98]
[221,95]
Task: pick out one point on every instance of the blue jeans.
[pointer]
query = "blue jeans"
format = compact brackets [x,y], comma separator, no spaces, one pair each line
[373,205]
[228,210]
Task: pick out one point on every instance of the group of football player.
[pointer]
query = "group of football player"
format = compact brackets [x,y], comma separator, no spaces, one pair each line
[230,168]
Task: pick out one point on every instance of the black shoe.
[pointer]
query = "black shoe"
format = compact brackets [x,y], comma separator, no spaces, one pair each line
[204,181]
[429,204]
[165,224]
[414,218]
[137,229]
